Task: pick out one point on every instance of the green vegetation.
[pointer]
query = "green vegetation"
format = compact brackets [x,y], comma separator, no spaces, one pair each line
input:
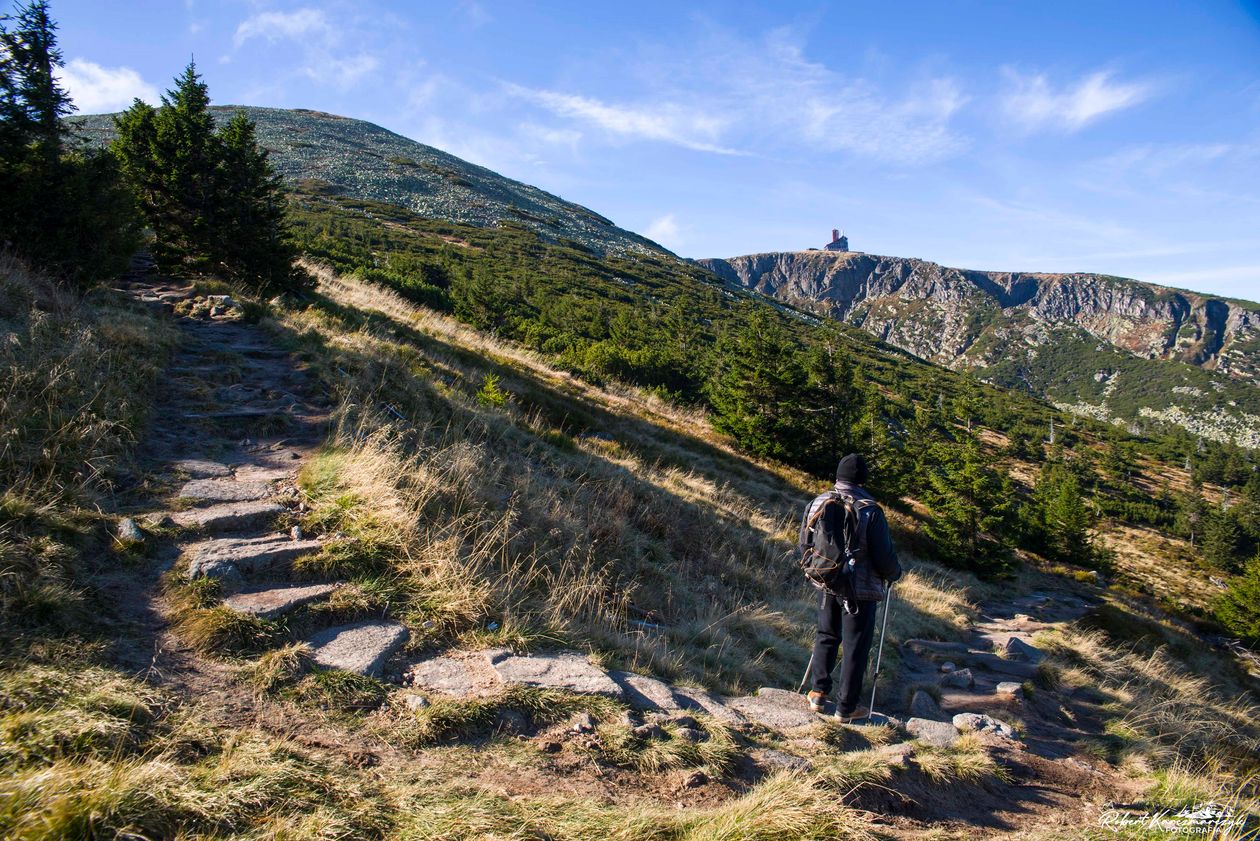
[211,197]
[62,208]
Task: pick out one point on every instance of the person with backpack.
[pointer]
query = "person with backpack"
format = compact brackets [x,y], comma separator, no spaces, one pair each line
[847,553]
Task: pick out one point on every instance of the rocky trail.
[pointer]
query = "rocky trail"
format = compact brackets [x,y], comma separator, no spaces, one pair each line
[237,419]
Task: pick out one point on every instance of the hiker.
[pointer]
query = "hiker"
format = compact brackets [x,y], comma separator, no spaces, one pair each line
[847,605]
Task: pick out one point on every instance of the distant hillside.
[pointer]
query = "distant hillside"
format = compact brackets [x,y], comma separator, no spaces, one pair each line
[362,160]
[1112,348]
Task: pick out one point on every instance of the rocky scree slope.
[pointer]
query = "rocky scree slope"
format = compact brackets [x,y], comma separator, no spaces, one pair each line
[1113,348]
[355,158]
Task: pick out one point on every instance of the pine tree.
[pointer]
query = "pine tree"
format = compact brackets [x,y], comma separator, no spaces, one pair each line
[756,388]
[1220,540]
[1063,519]
[250,242]
[970,507]
[1238,609]
[832,402]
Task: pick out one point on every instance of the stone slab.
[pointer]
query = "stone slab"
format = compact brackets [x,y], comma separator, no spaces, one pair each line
[564,670]
[224,490]
[942,734]
[456,676]
[270,602]
[246,555]
[362,647]
[702,701]
[962,679]
[645,693]
[1010,689]
[923,705]
[1001,665]
[202,469]
[1017,649]
[777,709]
[229,516]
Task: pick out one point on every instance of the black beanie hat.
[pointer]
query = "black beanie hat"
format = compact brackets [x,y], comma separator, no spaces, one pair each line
[852,469]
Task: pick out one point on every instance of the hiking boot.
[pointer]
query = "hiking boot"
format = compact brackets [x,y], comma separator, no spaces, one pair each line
[818,701]
[859,714]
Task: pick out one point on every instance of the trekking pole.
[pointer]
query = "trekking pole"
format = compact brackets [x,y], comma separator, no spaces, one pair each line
[879,657]
[808,667]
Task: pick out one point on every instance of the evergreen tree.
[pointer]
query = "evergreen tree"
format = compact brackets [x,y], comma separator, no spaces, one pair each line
[1238,609]
[970,506]
[756,387]
[64,210]
[1220,540]
[832,402]
[1062,520]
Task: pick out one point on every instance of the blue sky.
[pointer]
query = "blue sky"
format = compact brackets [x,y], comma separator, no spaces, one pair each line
[1119,137]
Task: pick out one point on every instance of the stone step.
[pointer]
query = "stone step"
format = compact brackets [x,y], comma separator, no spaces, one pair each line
[230,558]
[225,490]
[202,469]
[702,701]
[362,647]
[777,709]
[563,670]
[934,650]
[270,601]
[455,675]
[230,516]
[646,693]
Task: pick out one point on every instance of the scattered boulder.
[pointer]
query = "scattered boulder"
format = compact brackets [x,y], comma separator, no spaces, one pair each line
[1010,689]
[564,670]
[780,760]
[361,647]
[961,679]
[1017,649]
[777,709]
[947,667]
[445,675]
[129,532]
[645,693]
[941,734]
[987,725]
[923,705]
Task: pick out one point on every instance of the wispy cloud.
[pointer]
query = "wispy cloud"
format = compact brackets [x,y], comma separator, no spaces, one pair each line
[730,95]
[664,229]
[325,59]
[274,26]
[95,88]
[666,121]
[1032,103]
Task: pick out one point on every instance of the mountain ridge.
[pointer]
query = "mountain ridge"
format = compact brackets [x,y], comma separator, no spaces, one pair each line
[1205,349]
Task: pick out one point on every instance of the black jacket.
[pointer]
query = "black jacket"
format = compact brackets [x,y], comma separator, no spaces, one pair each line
[878,565]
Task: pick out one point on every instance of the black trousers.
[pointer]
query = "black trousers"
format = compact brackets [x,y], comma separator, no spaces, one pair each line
[857,632]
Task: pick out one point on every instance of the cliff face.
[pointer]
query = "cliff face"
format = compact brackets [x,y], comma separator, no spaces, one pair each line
[1112,347]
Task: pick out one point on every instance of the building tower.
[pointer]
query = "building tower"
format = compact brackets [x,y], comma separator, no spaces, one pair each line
[839,242]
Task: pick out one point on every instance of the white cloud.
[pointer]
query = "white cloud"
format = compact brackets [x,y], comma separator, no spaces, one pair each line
[667,122]
[1032,103]
[664,230]
[728,95]
[274,26]
[96,89]
[343,72]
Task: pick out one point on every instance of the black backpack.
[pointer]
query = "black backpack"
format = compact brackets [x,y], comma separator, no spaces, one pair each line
[835,539]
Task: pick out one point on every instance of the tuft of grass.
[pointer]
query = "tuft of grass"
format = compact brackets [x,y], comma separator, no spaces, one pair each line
[966,761]
[849,771]
[341,691]
[221,631]
[279,667]
[447,718]
[715,751]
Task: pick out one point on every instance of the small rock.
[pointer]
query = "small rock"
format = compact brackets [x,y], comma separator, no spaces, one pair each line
[898,755]
[583,722]
[1011,689]
[961,679]
[415,702]
[974,722]
[549,747]
[689,734]
[939,733]
[649,731]
[948,666]
[781,760]
[695,779]
[1017,649]
[129,532]
[923,705]
[512,722]
[295,533]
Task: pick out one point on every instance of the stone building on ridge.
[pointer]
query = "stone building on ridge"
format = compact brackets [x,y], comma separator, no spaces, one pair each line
[839,242]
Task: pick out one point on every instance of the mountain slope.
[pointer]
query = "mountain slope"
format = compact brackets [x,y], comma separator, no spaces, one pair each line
[362,160]
[1108,347]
